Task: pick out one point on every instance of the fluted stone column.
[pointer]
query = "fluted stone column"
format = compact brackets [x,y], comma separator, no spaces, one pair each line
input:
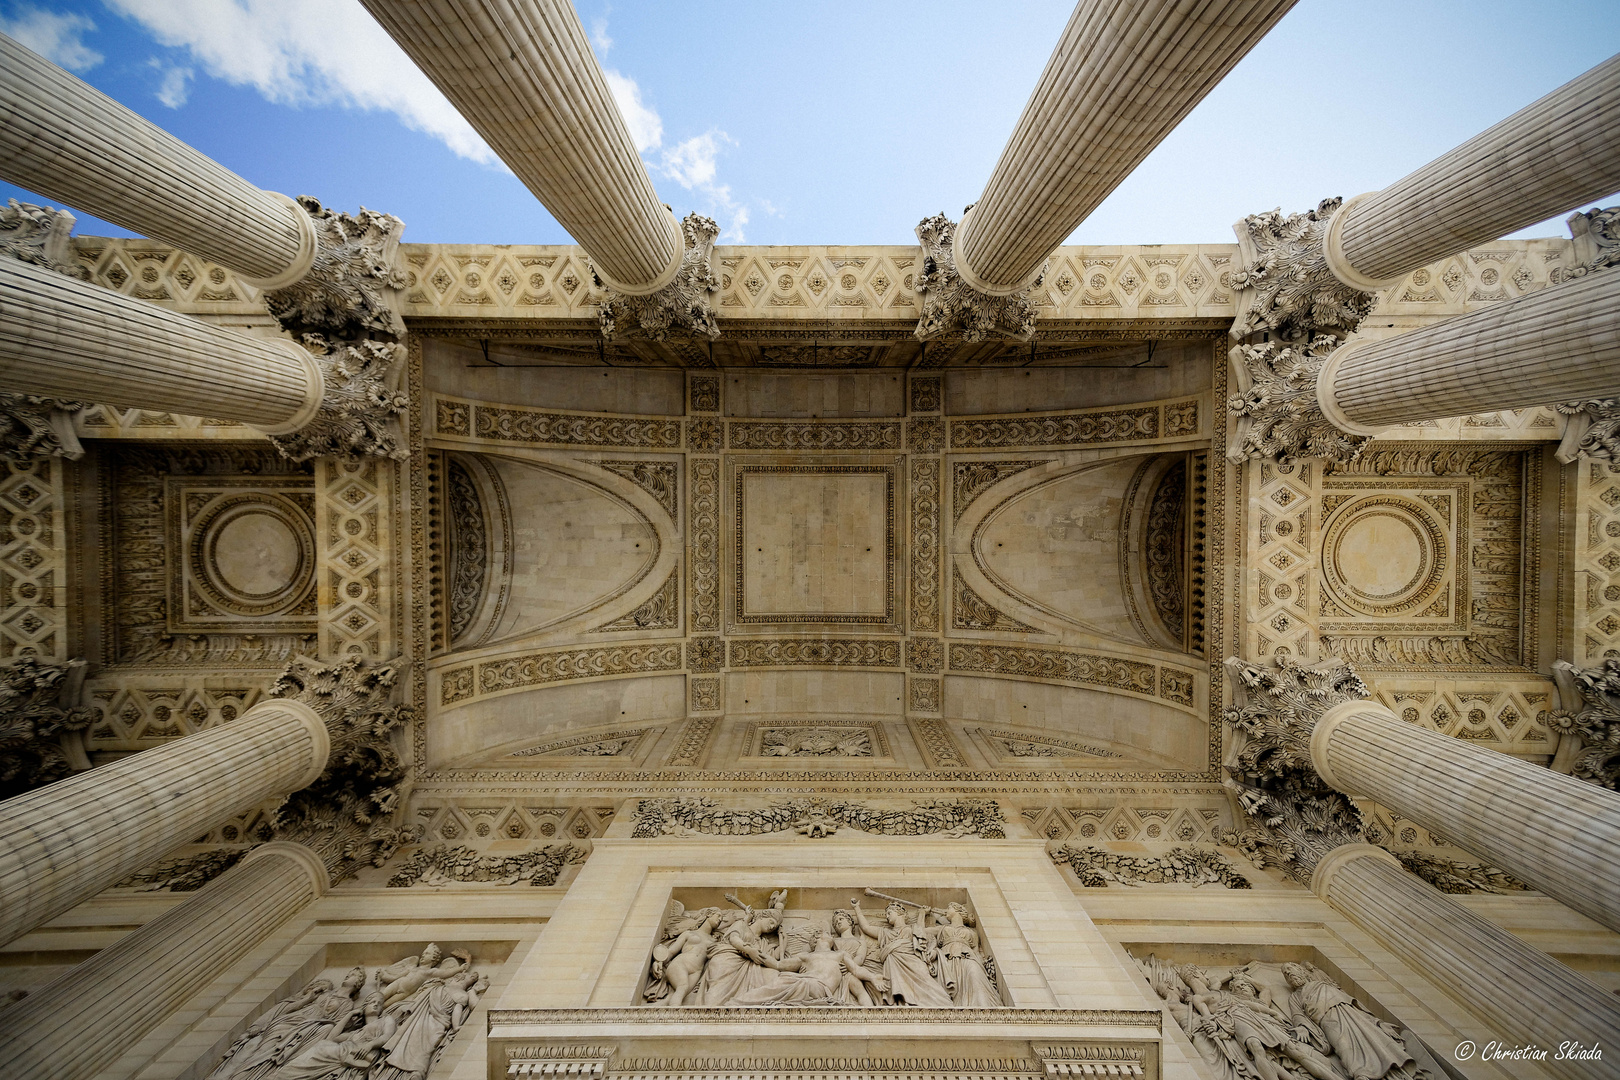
[68,339]
[1551,156]
[1560,344]
[1550,830]
[1122,77]
[65,842]
[523,74]
[73,144]
[1524,995]
[79,1024]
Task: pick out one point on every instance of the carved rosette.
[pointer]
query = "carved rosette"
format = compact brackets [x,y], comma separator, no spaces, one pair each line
[1294,294]
[1277,414]
[1596,723]
[1298,818]
[682,307]
[35,726]
[952,306]
[352,289]
[346,814]
[358,407]
[41,235]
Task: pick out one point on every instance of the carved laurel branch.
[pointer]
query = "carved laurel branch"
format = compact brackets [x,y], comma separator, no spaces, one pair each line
[682,307]
[352,288]
[951,306]
[1097,867]
[358,407]
[1298,818]
[1278,415]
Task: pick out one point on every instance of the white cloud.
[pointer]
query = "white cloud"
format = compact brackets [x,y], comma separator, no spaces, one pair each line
[646,128]
[308,52]
[56,37]
[173,84]
[692,163]
[599,35]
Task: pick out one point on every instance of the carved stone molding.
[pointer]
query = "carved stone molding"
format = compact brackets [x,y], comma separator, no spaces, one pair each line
[699,816]
[442,865]
[539,669]
[536,427]
[951,306]
[40,731]
[1596,234]
[1096,868]
[353,287]
[1596,723]
[1278,414]
[1298,818]
[1450,876]
[1592,430]
[358,409]
[683,306]
[34,427]
[1295,294]
[41,235]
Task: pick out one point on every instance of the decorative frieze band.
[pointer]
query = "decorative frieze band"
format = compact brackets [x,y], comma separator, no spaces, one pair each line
[456,418]
[815,652]
[1080,668]
[1093,427]
[565,665]
[812,435]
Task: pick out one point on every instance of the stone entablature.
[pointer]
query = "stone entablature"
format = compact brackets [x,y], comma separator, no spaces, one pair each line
[866,284]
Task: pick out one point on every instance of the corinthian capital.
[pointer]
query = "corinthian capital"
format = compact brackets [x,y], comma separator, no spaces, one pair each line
[1596,723]
[358,407]
[681,307]
[41,235]
[37,725]
[352,288]
[346,815]
[952,306]
[1298,818]
[1291,290]
[1596,236]
[1278,414]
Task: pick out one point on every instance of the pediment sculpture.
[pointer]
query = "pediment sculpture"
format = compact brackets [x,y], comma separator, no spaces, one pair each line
[914,954]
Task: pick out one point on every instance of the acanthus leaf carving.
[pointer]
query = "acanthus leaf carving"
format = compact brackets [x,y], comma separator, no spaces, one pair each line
[36,724]
[1592,430]
[1278,415]
[681,307]
[701,816]
[1295,294]
[358,407]
[34,427]
[952,306]
[352,288]
[1596,723]
[1298,818]
[40,235]
[1450,876]
[1597,242]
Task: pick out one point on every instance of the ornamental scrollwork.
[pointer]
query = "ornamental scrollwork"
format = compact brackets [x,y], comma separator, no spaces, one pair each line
[699,816]
[1278,414]
[41,235]
[1295,295]
[352,288]
[1596,723]
[358,406]
[35,721]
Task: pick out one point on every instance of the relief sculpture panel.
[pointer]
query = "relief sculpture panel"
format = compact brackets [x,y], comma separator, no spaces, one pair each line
[916,953]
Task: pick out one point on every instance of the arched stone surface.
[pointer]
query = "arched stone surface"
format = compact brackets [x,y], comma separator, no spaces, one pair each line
[1057,548]
[495,727]
[1148,733]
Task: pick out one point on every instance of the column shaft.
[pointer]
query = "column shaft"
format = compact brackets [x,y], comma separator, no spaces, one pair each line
[68,339]
[65,842]
[79,1024]
[1552,831]
[1551,156]
[523,74]
[1122,76]
[1523,995]
[75,145]
[1560,344]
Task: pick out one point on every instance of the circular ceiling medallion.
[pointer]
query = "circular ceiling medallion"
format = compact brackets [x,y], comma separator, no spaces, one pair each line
[1383,555]
[253,554]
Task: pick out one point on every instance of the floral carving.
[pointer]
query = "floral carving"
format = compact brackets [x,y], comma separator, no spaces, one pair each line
[442,865]
[34,724]
[1096,868]
[952,306]
[1593,430]
[1278,415]
[34,427]
[1596,723]
[689,816]
[1597,242]
[1296,295]
[358,407]
[682,306]
[469,548]
[41,235]
[1298,817]
[1459,878]
[352,288]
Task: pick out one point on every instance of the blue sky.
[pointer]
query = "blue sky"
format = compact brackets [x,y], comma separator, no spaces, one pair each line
[832,123]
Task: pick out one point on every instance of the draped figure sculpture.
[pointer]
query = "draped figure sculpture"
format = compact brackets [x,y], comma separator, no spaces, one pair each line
[1369,1048]
[901,949]
[961,965]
